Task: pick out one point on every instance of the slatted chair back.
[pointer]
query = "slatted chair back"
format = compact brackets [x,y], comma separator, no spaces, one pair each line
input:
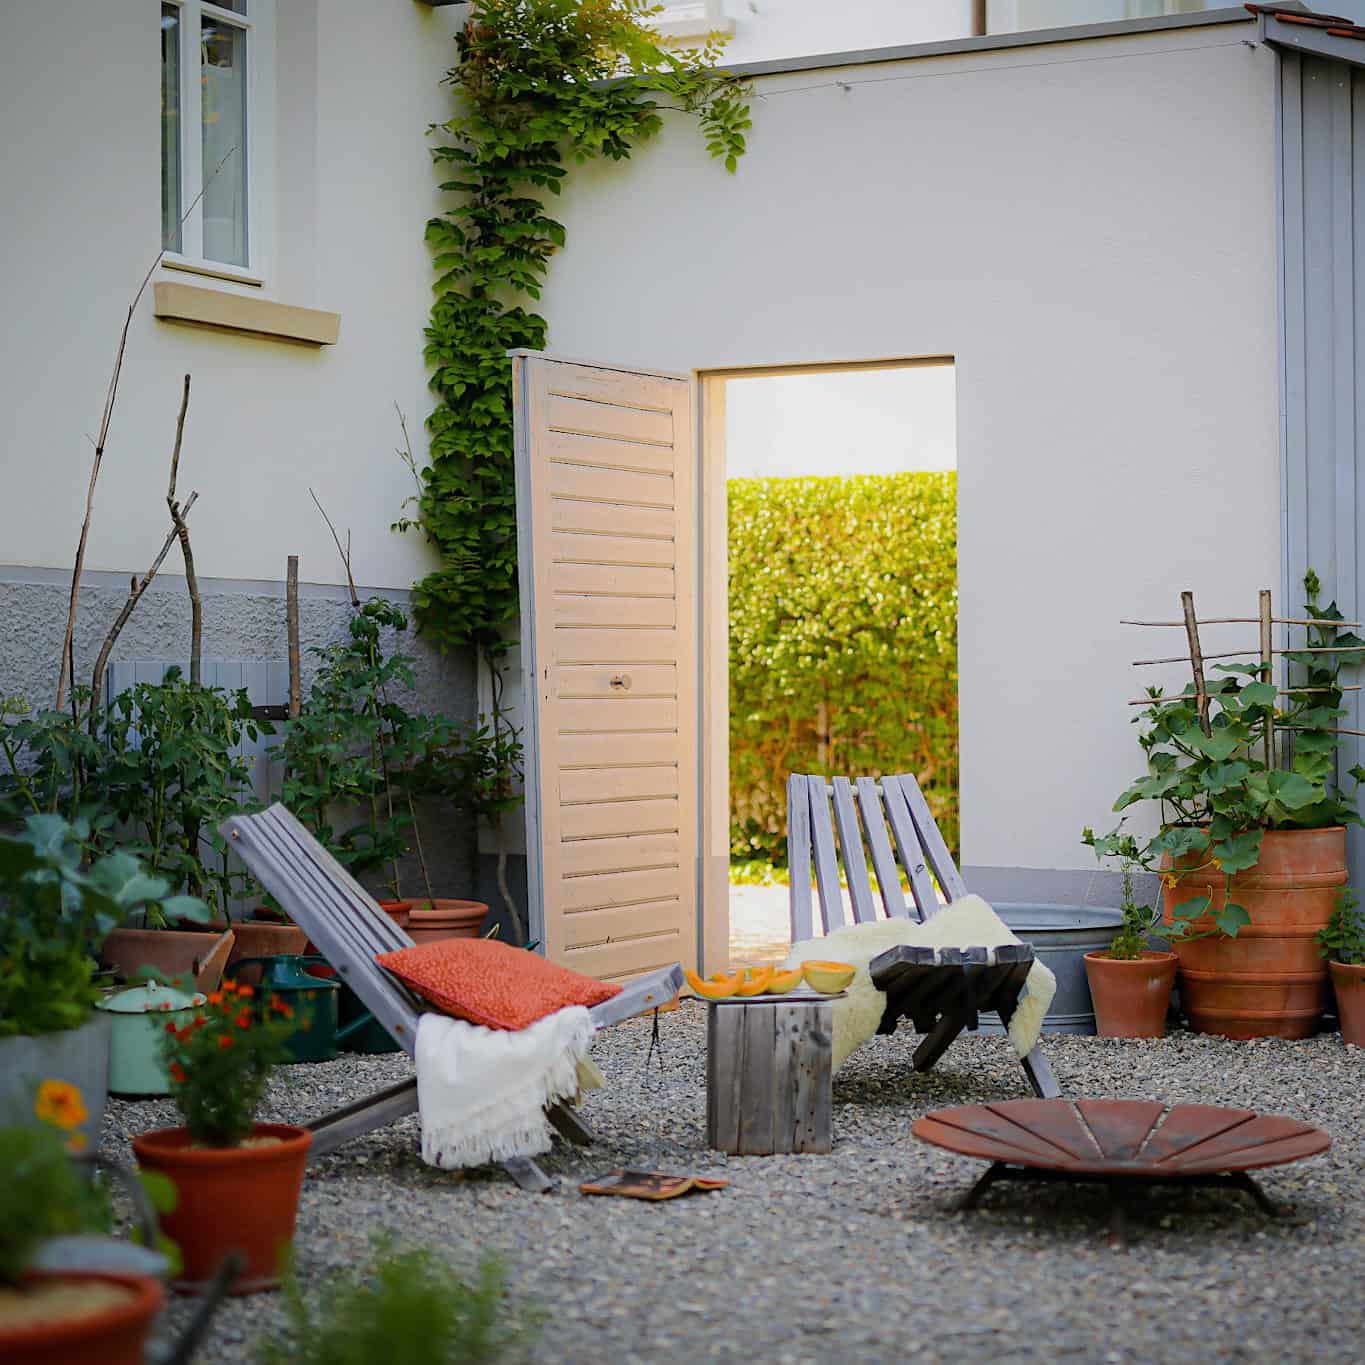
[335,911]
[818,807]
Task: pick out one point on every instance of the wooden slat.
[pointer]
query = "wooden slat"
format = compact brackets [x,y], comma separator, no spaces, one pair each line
[620,486]
[592,450]
[584,609]
[619,817]
[612,580]
[883,859]
[619,648]
[597,928]
[826,863]
[654,986]
[632,955]
[594,680]
[624,713]
[610,518]
[851,851]
[619,888]
[639,748]
[629,388]
[619,853]
[798,857]
[935,849]
[609,421]
[724,1075]
[907,846]
[595,785]
[582,547]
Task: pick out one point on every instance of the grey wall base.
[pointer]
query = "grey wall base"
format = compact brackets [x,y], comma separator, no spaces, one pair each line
[1058,886]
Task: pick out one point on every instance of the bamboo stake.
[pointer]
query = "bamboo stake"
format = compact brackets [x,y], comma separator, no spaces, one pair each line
[291,626]
[183,534]
[1338,731]
[1196,661]
[1284,692]
[1242,653]
[1267,644]
[1254,621]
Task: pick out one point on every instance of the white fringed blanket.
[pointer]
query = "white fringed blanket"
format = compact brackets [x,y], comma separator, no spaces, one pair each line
[967,923]
[482,1092]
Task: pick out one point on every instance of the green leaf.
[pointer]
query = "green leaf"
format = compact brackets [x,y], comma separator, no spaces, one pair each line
[1221,744]
[1239,852]
[1232,918]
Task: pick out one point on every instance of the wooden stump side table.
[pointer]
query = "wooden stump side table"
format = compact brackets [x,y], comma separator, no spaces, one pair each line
[768,1073]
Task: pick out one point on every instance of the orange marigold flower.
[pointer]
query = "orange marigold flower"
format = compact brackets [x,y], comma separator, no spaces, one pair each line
[171,1028]
[224,1041]
[60,1103]
[77,1143]
[177,1073]
[245,992]
[243,1020]
[215,997]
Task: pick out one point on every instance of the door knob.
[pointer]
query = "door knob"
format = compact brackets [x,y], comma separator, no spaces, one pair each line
[621,682]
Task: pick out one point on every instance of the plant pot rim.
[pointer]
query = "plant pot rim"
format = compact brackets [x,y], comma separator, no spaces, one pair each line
[1148,955]
[1268,829]
[149,1297]
[171,1146]
[1346,966]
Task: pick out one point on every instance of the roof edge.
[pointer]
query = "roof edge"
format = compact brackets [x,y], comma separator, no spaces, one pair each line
[994,42]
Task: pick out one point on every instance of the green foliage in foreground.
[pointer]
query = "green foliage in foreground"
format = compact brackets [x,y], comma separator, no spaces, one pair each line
[843,642]
[408,1307]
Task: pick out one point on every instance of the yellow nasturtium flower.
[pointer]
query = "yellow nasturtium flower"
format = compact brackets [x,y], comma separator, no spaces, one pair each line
[60,1103]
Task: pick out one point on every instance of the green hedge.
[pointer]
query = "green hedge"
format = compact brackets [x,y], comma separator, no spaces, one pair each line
[843,642]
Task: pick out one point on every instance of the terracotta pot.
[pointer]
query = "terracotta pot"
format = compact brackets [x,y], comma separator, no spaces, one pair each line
[242,1199]
[1269,981]
[256,938]
[398,911]
[1348,978]
[115,1335]
[436,919]
[1130,994]
[182,955]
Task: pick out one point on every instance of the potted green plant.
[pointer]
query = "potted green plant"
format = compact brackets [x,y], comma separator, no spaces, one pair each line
[1251,846]
[1342,943]
[68,1317]
[1130,983]
[408,1306]
[237,1181]
[58,909]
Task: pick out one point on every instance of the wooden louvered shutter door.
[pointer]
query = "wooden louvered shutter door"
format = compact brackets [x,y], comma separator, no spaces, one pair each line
[606,498]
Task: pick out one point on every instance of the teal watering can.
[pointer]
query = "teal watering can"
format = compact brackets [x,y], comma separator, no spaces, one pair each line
[312,997]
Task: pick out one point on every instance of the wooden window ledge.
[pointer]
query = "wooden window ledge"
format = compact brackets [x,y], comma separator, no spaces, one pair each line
[218,308]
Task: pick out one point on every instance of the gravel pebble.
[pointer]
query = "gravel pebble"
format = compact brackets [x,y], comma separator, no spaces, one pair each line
[859,1255]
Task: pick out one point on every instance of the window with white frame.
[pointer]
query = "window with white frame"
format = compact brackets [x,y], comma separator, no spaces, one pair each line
[213,60]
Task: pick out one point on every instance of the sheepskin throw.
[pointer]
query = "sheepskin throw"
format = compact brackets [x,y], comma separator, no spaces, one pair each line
[482,1092]
[967,923]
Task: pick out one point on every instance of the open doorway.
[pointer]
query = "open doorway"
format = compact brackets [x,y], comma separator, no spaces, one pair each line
[840,629]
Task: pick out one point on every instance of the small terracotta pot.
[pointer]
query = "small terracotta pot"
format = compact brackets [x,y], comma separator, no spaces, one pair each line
[398,911]
[255,938]
[114,1336]
[242,1199]
[1131,995]
[436,919]
[182,955]
[1348,979]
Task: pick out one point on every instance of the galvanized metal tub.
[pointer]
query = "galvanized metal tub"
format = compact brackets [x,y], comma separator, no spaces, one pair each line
[1061,936]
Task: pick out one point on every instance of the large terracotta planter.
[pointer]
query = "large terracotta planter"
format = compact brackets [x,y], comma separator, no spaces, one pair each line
[1269,981]
[182,955]
[242,1199]
[436,919]
[1130,994]
[1348,978]
[258,938]
[113,1335]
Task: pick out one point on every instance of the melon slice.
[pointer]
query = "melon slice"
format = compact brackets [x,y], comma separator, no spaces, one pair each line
[781,982]
[754,981]
[723,989]
[829,977]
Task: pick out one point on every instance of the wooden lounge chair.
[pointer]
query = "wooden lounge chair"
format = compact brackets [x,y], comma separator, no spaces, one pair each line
[942,992]
[323,899]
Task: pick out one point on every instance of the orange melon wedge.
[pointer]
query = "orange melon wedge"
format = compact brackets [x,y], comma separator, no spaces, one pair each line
[754,981]
[714,990]
[781,982]
[829,977]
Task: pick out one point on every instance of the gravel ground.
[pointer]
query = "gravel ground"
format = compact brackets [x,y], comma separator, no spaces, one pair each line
[859,1256]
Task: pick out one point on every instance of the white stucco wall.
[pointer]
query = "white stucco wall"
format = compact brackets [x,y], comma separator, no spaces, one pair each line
[1089,230]
[357,85]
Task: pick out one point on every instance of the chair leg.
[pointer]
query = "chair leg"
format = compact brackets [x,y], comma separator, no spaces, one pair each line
[364,1116]
[569,1124]
[528,1175]
[1036,1066]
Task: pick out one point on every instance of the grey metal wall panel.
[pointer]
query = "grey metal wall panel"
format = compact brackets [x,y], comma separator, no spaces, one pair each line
[1322,293]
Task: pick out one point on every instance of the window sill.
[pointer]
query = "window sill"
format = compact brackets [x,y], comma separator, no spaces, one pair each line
[235,274]
[693,30]
[174,302]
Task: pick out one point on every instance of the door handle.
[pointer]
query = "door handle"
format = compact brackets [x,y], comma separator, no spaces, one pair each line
[620,682]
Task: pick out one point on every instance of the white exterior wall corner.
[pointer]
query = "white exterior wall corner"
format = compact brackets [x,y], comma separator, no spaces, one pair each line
[357,84]
[1090,230]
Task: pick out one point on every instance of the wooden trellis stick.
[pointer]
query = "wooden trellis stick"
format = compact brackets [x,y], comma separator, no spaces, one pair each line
[1242,653]
[1253,621]
[1196,661]
[1284,692]
[1267,645]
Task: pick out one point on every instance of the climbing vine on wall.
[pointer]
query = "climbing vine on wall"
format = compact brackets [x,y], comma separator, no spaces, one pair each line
[540,84]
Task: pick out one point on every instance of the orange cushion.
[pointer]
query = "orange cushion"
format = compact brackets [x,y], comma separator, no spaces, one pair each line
[491,983]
